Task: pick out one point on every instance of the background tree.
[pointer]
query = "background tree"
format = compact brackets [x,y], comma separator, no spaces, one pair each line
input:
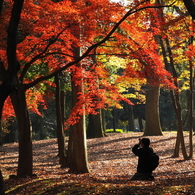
[60,116]
[46,50]
[167,44]
[153,126]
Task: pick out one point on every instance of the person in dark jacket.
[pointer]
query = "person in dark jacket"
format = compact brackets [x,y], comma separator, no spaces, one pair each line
[142,150]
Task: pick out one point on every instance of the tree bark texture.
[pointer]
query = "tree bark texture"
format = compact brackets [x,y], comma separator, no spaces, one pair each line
[77,146]
[25,162]
[152,126]
[78,159]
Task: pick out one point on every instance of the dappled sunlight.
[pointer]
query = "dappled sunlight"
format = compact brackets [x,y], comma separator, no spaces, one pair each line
[111,163]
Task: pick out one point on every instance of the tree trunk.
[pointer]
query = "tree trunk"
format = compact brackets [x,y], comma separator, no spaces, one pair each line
[141,127]
[77,146]
[152,126]
[95,128]
[129,110]
[41,134]
[190,6]
[6,87]
[180,136]
[78,159]
[2,189]
[114,119]
[25,162]
[103,121]
[60,124]
[176,101]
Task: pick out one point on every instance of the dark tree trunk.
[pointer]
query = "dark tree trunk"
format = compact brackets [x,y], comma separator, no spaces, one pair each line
[95,128]
[176,101]
[103,121]
[2,189]
[25,162]
[190,5]
[141,127]
[60,123]
[7,86]
[129,110]
[41,128]
[10,79]
[114,119]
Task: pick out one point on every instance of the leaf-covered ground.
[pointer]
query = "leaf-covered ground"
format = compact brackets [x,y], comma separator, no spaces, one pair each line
[112,164]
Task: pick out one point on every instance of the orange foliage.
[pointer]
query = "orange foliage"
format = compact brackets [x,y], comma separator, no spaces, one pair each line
[48,31]
[8,110]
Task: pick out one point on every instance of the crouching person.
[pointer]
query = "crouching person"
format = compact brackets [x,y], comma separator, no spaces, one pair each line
[146,160]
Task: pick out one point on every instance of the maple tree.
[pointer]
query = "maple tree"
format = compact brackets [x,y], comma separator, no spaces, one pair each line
[159,25]
[37,54]
[145,50]
[167,42]
[56,39]
[39,79]
[26,85]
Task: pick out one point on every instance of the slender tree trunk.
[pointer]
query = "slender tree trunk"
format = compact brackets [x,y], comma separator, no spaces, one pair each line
[25,162]
[103,121]
[41,133]
[114,119]
[176,102]
[2,189]
[60,124]
[141,127]
[191,108]
[129,110]
[152,126]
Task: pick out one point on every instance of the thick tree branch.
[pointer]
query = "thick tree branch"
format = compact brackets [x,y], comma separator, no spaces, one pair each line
[86,53]
[13,64]
[39,56]
[190,6]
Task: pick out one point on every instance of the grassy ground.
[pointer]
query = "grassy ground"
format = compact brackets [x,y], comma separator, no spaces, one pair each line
[111,163]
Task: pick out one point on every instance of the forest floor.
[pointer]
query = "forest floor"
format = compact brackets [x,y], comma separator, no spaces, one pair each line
[111,163]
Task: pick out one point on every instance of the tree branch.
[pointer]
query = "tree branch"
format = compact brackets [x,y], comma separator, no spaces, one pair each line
[13,64]
[86,53]
[41,55]
[190,6]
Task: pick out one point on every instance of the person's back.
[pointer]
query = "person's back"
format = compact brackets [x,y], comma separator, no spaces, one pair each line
[142,150]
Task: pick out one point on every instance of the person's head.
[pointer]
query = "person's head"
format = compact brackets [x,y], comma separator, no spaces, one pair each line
[145,142]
